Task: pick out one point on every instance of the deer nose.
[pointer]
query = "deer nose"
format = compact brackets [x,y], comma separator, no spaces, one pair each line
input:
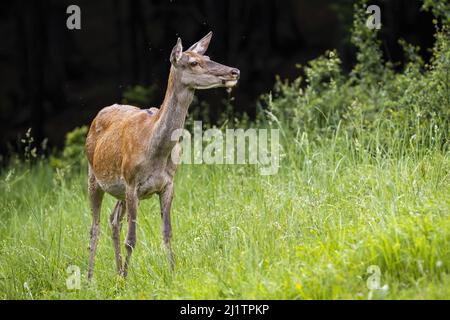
[235,73]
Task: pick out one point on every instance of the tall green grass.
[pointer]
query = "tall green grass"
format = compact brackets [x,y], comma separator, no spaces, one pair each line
[364,181]
[309,232]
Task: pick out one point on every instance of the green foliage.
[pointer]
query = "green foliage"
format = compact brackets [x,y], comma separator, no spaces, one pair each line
[440,9]
[412,105]
[369,67]
[73,157]
[139,95]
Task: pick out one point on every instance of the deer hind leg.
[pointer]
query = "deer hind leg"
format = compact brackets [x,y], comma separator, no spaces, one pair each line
[116,219]
[95,200]
[165,200]
[130,241]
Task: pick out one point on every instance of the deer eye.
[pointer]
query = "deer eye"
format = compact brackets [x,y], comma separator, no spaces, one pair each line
[194,63]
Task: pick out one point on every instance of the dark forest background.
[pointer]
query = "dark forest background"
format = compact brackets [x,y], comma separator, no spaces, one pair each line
[53,79]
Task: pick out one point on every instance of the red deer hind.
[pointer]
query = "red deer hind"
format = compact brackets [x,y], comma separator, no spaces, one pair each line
[129,149]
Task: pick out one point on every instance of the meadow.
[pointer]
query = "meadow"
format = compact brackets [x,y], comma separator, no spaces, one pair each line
[358,209]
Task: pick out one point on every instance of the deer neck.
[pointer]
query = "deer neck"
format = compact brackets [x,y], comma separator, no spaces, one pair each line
[173,112]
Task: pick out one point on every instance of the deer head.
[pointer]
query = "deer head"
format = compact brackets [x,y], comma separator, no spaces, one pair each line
[197,71]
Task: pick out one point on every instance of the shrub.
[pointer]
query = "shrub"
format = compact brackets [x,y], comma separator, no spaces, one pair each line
[139,95]
[73,157]
[412,105]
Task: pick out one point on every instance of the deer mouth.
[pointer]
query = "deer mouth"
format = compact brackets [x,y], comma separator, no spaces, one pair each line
[229,83]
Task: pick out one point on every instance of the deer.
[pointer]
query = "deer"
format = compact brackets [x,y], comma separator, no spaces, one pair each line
[130,151]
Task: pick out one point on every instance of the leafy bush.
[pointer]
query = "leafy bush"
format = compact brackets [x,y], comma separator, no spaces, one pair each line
[139,95]
[73,157]
[373,105]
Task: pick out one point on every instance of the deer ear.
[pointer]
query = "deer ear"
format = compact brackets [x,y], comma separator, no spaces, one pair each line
[201,46]
[177,52]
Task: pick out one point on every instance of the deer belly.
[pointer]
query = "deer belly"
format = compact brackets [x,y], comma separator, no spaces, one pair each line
[153,184]
[114,188]
[145,189]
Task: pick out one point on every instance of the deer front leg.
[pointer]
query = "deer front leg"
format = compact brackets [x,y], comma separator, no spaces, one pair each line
[130,241]
[95,200]
[116,226]
[165,200]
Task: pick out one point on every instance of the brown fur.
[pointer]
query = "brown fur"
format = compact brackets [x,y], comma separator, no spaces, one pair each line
[116,132]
